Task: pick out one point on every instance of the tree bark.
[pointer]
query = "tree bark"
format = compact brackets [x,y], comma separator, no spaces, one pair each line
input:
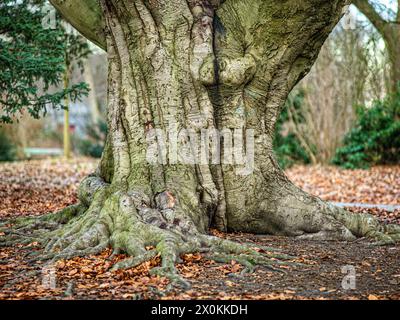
[187,67]
[393,47]
[203,65]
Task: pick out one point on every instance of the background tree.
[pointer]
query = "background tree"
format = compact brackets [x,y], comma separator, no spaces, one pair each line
[196,65]
[32,59]
[388,26]
[76,52]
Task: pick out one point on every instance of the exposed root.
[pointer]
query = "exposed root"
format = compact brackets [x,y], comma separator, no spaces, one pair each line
[127,223]
[47,221]
[130,222]
[86,192]
[298,214]
[366,225]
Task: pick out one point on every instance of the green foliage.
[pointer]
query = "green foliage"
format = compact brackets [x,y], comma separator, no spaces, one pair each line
[376,137]
[7,148]
[30,55]
[286,146]
[93,145]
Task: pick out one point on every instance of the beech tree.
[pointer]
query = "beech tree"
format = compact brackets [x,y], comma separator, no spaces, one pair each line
[193,66]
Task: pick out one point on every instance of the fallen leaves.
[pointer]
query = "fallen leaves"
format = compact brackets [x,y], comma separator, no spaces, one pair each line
[228,269]
[40,186]
[73,272]
[86,270]
[378,185]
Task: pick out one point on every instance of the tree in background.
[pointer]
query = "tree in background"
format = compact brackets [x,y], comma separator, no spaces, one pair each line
[34,59]
[388,26]
[76,52]
[195,65]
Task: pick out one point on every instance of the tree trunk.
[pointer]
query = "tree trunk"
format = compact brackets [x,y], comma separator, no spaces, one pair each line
[392,41]
[92,97]
[204,69]
[183,68]
[390,32]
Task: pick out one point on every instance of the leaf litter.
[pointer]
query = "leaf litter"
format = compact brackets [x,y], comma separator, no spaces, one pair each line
[40,186]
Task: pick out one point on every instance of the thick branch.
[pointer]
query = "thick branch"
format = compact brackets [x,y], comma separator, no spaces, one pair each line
[86,16]
[369,11]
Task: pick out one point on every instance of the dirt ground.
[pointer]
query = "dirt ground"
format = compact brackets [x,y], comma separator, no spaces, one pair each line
[37,187]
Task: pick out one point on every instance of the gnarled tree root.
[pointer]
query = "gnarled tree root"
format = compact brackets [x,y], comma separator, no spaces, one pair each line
[129,222]
[126,222]
[340,223]
[368,226]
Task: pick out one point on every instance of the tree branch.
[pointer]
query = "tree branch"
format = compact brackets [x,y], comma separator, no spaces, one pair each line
[369,11]
[85,16]
[398,12]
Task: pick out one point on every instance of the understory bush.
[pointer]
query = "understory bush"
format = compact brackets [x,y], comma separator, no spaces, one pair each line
[93,144]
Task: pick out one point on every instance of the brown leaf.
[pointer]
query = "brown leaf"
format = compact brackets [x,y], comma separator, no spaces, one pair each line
[73,272]
[86,270]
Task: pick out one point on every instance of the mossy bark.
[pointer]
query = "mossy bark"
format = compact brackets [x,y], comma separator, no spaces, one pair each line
[200,65]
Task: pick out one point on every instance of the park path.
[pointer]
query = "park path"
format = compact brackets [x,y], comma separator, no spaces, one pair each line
[386,207]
